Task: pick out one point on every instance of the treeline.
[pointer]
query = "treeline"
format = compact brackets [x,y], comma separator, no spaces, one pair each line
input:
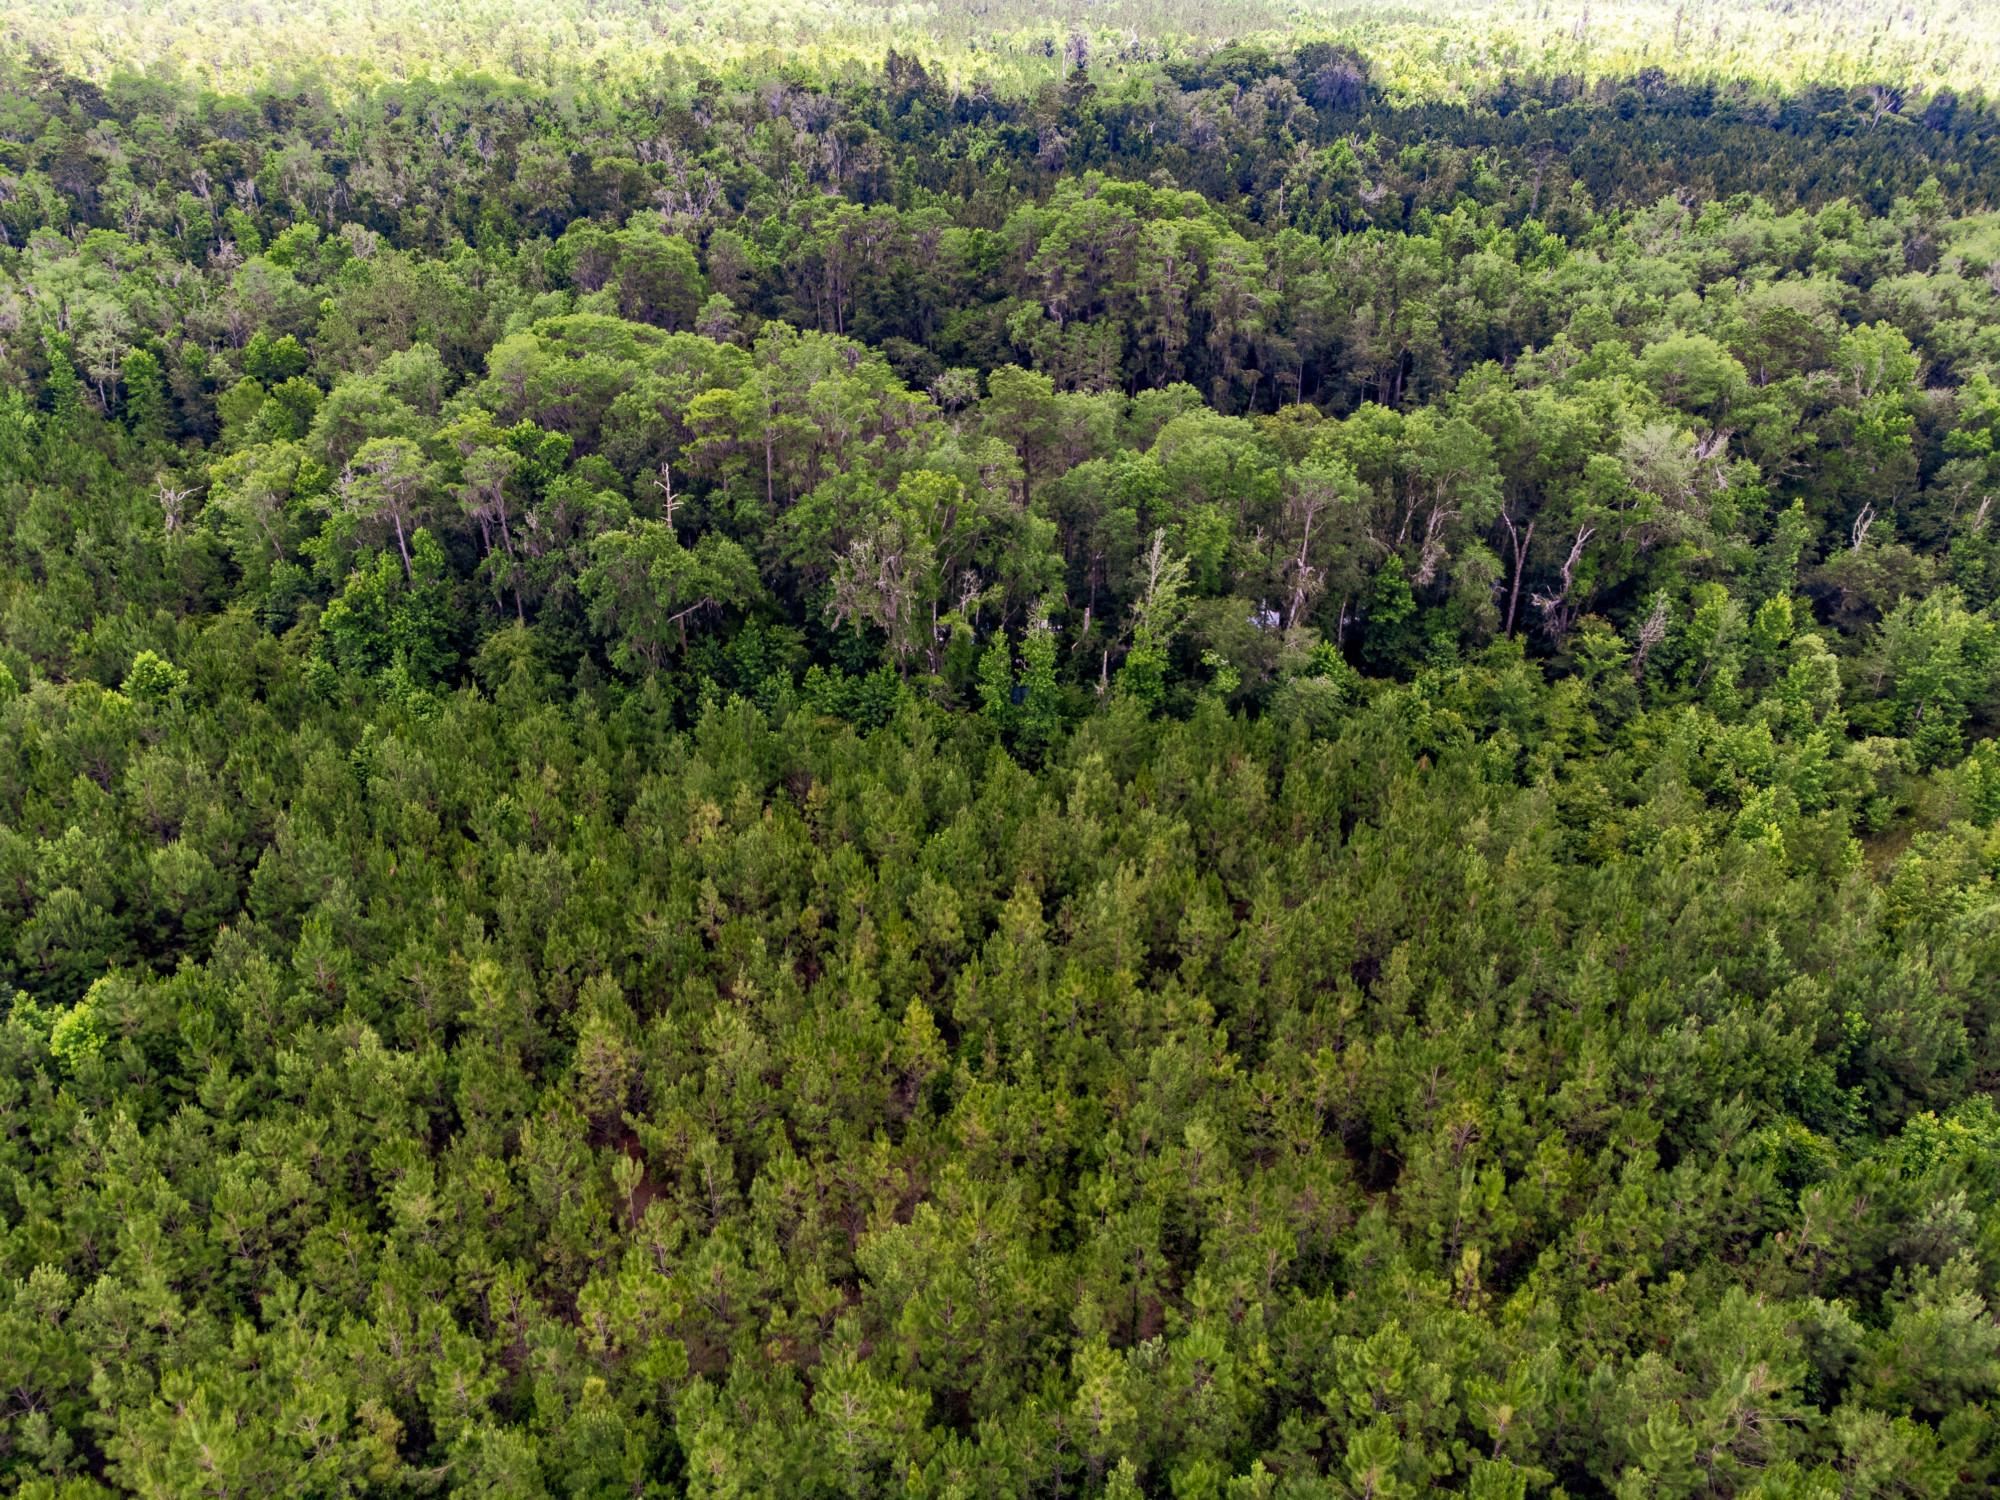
[1420,49]
[1303,138]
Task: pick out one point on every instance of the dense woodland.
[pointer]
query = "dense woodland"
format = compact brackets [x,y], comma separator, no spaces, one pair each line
[1198,779]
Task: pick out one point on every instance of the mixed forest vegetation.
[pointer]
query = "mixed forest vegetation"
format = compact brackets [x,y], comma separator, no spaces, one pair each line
[1002,759]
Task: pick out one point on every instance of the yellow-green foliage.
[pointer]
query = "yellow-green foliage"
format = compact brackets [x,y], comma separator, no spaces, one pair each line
[1423,49]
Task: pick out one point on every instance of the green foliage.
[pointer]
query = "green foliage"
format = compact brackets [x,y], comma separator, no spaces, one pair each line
[153,679]
[1177,766]
[77,1035]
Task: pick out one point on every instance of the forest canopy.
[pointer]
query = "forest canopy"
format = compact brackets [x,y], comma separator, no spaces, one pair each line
[1421,49]
[846,751]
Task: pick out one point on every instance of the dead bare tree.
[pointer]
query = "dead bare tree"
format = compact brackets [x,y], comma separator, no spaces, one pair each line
[1309,502]
[1558,612]
[1652,630]
[1521,539]
[669,502]
[1430,556]
[172,502]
